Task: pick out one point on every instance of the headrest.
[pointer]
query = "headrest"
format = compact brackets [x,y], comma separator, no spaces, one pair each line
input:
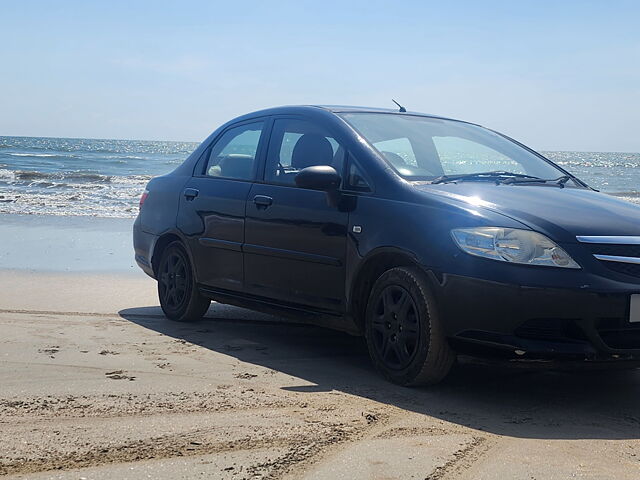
[311,149]
[236,166]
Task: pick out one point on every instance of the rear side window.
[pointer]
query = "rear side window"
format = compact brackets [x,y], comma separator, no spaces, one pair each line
[234,154]
[297,144]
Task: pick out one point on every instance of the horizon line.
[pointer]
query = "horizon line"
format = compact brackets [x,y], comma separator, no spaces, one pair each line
[199,142]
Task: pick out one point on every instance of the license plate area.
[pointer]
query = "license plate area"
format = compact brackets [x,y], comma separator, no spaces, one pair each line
[634,309]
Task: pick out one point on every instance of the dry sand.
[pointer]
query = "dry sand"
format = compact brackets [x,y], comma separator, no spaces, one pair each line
[94,383]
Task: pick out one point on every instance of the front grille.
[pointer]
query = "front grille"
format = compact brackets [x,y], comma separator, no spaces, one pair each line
[619,333]
[551,329]
[625,268]
[617,250]
[627,247]
[616,332]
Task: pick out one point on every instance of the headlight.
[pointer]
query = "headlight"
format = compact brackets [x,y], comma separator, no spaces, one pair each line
[512,245]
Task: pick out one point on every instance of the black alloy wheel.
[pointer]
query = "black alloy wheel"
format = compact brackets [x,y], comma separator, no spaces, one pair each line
[404,333]
[396,328]
[173,280]
[177,290]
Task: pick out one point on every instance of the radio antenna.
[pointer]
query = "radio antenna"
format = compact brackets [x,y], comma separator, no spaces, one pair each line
[402,109]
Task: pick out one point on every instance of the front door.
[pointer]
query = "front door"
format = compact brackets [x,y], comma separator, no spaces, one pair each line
[294,241]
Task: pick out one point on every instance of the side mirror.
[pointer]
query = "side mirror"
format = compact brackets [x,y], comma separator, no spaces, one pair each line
[318,177]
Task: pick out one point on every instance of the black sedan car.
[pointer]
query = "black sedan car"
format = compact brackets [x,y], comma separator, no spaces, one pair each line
[429,236]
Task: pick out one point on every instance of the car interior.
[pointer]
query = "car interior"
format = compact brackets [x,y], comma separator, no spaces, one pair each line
[234,165]
[310,149]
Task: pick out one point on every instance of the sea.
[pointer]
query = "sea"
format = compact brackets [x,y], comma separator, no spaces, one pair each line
[105,178]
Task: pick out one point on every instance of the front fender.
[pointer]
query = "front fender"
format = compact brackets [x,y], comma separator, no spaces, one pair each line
[421,230]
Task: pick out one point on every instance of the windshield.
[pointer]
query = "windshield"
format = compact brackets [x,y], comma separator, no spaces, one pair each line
[423,148]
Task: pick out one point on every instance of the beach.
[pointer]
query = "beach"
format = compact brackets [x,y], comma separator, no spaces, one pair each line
[447,179]
[96,383]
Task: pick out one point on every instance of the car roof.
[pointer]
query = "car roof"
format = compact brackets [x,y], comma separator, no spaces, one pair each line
[292,109]
[355,109]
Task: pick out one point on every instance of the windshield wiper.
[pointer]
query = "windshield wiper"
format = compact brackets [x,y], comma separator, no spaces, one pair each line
[560,181]
[496,176]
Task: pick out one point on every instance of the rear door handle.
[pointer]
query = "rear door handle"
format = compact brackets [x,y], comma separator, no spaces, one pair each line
[190,193]
[262,201]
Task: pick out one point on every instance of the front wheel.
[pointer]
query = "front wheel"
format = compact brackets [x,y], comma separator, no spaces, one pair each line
[405,338]
[179,296]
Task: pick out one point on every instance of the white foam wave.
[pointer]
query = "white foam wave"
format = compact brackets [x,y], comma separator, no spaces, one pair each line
[36,155]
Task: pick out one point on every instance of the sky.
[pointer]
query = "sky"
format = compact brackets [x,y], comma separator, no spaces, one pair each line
[554,75]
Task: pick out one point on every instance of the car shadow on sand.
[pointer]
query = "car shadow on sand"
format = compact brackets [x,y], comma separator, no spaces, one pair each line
[496,398]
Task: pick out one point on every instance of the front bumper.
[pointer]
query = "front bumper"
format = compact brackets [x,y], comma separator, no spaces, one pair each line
[487,317]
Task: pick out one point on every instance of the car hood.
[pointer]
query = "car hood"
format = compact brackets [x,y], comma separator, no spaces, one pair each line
[560,213]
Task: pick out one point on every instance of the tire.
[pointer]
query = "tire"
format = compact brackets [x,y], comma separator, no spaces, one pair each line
[404,334]
[179,297]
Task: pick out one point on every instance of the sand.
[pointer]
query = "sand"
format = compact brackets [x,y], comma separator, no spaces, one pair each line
[95,383]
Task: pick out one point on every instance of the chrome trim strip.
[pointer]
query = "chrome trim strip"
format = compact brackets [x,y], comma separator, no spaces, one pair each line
[614,258]
[621,240]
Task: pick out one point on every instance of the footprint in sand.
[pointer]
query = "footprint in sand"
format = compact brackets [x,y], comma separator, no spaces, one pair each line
[119,375]
[50,350]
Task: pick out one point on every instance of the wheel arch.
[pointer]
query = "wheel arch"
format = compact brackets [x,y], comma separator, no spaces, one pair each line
[371,267]
[161,243]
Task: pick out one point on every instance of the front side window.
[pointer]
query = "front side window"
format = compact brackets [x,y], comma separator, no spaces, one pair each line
[234,154]
[424,148]
[297,144]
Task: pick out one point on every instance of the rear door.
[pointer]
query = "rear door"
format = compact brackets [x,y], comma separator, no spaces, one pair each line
[295,242]
[212,204]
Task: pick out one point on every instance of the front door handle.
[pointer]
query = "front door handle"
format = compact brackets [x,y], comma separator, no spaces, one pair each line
[190,193]
[262,201]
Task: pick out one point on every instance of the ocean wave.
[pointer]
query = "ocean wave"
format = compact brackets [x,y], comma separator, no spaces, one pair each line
[125,157]
[66,204]
[133,179]
[632,194]
[7,174]
[66,180]
[46,198]
[74,176]
[81,176]
[36,155]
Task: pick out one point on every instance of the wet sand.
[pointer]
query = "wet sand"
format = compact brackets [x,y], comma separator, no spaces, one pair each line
[95,383]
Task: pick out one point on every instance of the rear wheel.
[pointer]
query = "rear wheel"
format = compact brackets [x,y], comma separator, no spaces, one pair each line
[179,296]
[405,338]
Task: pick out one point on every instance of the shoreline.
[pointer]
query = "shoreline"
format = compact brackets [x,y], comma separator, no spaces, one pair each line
[76,292]
[69,264]
[52,243]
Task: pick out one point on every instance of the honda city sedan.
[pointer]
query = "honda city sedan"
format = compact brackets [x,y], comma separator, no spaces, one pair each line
[427,235]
